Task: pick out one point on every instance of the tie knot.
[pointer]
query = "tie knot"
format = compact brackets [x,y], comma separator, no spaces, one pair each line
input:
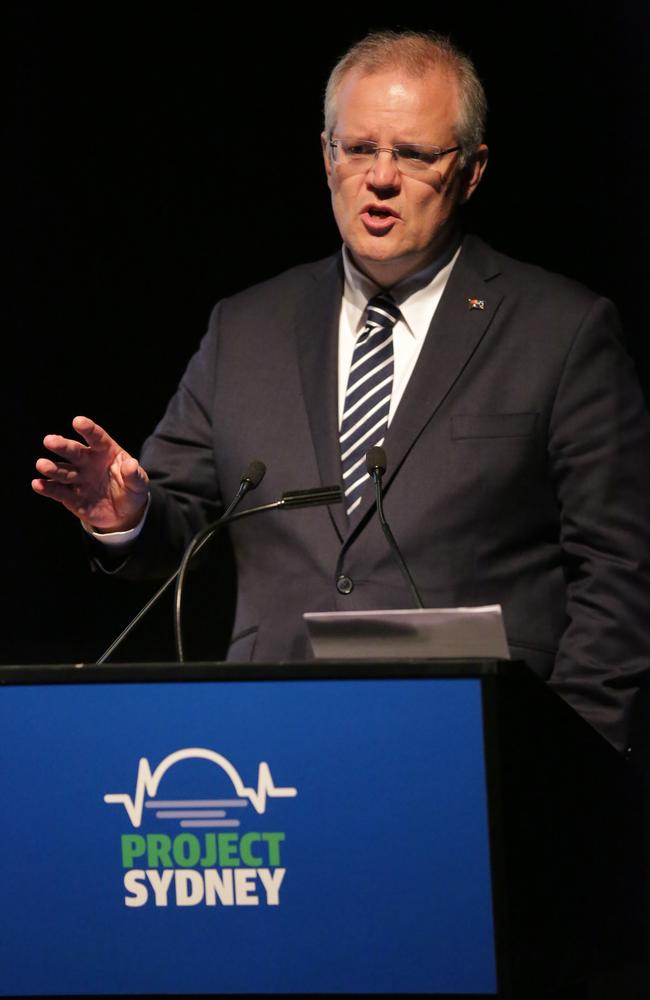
[382,311]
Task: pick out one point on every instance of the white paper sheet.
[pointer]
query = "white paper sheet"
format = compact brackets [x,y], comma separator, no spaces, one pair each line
[417,633]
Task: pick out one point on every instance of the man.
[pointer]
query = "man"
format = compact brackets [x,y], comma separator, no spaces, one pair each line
[515,431]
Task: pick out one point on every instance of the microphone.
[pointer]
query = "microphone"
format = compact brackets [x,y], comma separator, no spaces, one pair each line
[249,481]
[376,467]
[318,496]
[376,462]
[254,475]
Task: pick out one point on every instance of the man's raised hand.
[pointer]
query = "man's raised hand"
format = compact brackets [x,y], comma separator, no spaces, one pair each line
[98,481]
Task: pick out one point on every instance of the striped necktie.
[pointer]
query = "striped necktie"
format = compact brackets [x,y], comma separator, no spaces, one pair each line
[367,398]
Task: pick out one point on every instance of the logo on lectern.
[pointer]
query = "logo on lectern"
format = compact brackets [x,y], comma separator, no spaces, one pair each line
[210,861]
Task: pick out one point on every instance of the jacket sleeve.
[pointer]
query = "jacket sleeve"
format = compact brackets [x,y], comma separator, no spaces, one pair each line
[599,453]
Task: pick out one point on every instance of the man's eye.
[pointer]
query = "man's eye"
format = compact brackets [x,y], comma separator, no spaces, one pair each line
[417,154]
[359,148]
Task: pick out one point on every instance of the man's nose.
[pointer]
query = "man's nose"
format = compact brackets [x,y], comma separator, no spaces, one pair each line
[384,171]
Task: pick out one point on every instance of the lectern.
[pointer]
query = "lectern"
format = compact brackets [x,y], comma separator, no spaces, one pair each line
[444,828]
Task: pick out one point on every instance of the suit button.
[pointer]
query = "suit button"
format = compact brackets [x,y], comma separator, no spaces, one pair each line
[344,585]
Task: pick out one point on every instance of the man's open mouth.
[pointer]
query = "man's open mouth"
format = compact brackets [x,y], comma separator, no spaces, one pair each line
[380,212]
[378,220]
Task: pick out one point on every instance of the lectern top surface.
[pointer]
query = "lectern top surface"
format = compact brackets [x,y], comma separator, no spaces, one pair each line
[88,673]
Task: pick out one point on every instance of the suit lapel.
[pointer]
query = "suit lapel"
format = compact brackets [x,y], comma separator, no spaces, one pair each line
[317,326]
[453,336]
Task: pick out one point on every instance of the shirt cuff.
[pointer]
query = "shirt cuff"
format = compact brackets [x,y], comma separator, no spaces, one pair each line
[117,539]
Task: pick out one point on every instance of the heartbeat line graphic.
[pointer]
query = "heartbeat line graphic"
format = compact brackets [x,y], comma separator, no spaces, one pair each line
[147,782]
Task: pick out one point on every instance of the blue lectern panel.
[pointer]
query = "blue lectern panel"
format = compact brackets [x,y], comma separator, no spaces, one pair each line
[292,836]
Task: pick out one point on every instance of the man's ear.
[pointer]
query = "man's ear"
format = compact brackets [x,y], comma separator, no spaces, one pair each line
[327,159]
[473,171]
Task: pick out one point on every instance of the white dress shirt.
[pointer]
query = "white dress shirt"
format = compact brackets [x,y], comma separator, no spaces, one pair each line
[417,298]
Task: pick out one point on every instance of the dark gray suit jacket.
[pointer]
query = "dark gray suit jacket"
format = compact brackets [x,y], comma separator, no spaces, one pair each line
[518,472]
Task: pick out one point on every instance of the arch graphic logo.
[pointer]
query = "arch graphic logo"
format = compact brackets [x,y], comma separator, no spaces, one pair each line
[189,850]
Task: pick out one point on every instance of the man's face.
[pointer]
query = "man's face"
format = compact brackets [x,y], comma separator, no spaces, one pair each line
[395,224]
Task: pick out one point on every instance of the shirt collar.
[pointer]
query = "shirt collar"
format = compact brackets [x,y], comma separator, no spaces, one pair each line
[416,296]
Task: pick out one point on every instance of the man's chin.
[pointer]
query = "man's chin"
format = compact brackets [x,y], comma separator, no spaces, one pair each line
[377,249]
[385,268]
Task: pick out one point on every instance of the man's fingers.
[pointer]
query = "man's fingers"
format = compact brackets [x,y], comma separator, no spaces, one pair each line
[54,491]
[98,444]
[61,472]
[97,481]
[64,447]
[94,435]
[134,477]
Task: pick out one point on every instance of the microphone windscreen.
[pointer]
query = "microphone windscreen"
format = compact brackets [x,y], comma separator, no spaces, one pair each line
[255,474]
[376,460]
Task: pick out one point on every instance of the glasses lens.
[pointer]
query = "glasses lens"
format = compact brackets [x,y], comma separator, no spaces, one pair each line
[416,158]
[359,153]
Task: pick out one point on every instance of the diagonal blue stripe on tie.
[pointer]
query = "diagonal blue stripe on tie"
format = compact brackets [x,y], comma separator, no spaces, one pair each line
[367,399]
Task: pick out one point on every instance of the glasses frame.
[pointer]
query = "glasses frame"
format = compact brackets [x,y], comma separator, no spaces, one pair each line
[335,144]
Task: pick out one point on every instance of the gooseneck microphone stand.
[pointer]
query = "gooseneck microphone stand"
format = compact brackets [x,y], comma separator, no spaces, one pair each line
[253,477]
[376,467]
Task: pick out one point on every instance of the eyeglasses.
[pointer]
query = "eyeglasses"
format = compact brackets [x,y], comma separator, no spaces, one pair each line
[411,158]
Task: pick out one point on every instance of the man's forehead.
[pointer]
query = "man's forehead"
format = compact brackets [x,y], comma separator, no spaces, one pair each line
[395,93]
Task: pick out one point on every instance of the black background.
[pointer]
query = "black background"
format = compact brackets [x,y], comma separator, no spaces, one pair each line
[160,158]
[164,157]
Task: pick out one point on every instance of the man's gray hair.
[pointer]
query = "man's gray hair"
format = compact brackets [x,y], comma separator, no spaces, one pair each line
[416,52]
